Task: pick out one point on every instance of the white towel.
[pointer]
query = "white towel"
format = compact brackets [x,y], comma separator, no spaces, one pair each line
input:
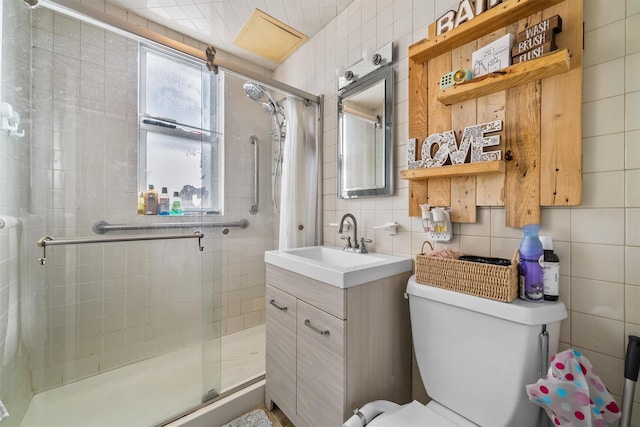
[4,414]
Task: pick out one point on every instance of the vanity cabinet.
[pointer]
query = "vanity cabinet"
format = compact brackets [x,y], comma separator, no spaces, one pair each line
[330,350]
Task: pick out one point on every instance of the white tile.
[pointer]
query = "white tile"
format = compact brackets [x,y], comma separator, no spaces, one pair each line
[597,262]
[603,80]
[402,27]
[604,44]
[632,265]
[632,303]
[402,7]
[598,334]
[384,17]
[633,227]
[498,228]
[632,65]
[556,222]
[633,34]
[600,226]
[603,189]
[443,6]
[504,248]
[633,189]
[602,299]
[603,117]
[598,13]
[632,111]
[603,153]
[482,226]
[66,27]
[475,245]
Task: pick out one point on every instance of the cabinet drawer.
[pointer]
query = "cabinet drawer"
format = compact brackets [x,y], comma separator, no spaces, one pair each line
[326,297]
[281,349]
[321,367]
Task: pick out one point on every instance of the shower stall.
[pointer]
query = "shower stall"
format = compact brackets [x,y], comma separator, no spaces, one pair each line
[109,317]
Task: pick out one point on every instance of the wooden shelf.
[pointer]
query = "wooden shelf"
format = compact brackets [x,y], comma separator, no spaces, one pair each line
[479,168]
[512,76]
[504,14]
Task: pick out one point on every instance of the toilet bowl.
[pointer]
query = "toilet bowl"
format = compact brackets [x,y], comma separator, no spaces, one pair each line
[415,414]
[475,356]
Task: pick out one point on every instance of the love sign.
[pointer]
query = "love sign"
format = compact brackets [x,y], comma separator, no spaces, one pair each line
[440,147]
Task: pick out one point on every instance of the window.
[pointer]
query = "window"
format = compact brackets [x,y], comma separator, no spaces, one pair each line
[180,143]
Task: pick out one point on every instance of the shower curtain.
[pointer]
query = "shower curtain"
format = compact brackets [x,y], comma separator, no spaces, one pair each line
[298,203]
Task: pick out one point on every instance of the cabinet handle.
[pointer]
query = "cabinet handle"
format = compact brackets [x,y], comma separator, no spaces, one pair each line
[320,331]
[273,303]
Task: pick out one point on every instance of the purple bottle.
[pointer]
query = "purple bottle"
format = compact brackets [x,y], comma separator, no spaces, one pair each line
[530,269]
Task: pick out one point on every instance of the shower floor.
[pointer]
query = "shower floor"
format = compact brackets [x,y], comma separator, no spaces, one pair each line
[147,392]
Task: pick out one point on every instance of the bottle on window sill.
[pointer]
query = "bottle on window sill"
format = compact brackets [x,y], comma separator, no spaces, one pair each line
[151,201]
[176,204]
[141,203]
[163,203]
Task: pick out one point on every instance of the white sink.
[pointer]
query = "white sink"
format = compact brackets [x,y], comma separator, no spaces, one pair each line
[336,267]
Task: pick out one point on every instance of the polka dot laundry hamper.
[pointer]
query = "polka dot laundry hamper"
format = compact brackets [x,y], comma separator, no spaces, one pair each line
[572,393]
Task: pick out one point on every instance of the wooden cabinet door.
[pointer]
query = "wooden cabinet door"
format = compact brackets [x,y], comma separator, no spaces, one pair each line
[321,367]
[281,350]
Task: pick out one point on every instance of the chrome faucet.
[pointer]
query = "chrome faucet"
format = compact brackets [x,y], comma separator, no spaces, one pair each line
[357,247]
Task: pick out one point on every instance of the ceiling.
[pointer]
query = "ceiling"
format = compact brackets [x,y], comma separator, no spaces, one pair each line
[216,22]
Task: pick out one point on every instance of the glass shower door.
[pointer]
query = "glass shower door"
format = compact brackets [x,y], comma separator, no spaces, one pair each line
[120,321]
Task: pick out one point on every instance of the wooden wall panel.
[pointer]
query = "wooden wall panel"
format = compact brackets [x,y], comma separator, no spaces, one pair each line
[463,114]
[418,118]
[522,181]
[490,188]
[541,120]
[561,132]
[439,191]
[418,110]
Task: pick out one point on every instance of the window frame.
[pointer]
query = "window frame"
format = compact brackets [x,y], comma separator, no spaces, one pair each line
[211,141]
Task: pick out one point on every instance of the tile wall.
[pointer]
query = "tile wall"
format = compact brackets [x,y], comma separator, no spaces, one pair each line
[15,388]
[598,243]
[95,308]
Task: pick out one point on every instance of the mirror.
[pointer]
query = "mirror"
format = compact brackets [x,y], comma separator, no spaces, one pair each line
[365,136]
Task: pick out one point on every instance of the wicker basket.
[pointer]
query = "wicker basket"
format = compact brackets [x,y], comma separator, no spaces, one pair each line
[484,280]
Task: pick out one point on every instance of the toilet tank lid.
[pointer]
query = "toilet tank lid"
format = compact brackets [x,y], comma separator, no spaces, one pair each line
[519,311]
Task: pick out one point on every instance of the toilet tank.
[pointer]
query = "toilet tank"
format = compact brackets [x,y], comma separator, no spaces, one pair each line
[475,355]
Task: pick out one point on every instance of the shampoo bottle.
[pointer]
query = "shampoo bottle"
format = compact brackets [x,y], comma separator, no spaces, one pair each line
[530,269]
[163,203]
[551,270]
[150,201]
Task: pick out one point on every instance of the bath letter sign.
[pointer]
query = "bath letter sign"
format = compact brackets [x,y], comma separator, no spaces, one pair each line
[467,10]
[444,147]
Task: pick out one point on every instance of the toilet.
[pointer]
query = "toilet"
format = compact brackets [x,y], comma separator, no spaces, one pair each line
[475,356]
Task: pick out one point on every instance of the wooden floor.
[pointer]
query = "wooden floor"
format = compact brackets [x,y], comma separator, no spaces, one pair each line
[277,417]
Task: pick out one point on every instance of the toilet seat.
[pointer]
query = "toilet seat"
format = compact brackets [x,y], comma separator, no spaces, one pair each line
[415,414]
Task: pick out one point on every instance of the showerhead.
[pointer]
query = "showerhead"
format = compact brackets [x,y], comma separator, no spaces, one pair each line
[270,108]
[254,91]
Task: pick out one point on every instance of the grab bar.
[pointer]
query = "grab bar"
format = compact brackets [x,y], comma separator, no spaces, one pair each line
[8,222]
[102,227]
[253,140]
[50,241]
